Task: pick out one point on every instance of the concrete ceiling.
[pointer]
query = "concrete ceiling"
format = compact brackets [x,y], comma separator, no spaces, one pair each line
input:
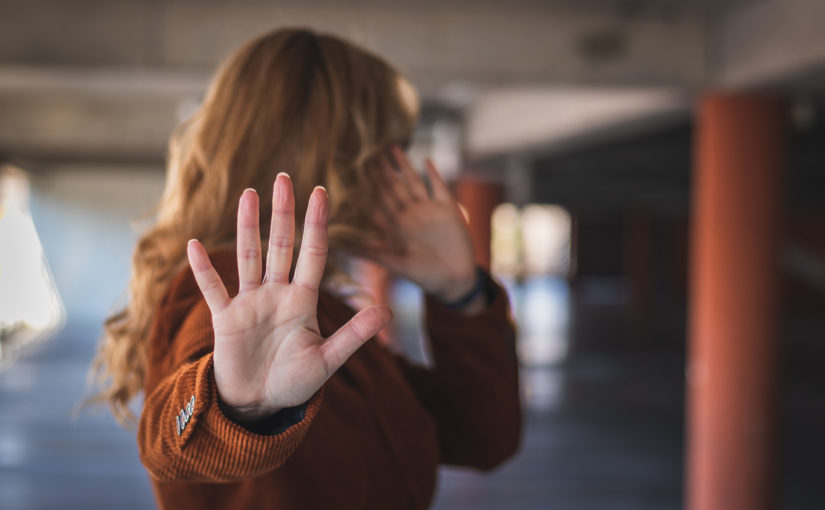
[108,79]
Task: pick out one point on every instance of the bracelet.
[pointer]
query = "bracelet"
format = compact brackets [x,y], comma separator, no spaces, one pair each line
[479,287]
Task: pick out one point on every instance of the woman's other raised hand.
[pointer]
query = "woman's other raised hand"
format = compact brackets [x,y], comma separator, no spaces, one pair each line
[269,353]
[426,236]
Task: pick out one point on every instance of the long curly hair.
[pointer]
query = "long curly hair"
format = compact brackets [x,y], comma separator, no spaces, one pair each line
[313,105]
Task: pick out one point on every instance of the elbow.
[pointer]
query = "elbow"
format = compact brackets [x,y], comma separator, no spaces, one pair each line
[486,448]
[503,447]
[504,439]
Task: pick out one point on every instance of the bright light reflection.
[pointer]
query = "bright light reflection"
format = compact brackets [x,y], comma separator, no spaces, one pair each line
[30,306]
[546,239]
[531,250]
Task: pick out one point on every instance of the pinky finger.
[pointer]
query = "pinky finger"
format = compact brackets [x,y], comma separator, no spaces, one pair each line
[206,277]
[440,190]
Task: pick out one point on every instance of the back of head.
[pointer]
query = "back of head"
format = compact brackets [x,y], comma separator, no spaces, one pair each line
[314,106]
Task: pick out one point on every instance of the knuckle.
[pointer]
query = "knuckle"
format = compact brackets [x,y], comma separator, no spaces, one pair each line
[250,254]
[211,285]
[354,328]
[280,242]
[276,276]
[315,250]
[306,285]
[315,223]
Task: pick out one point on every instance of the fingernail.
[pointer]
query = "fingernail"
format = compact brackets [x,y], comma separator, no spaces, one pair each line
[321,188]
[284,174]
[250,189]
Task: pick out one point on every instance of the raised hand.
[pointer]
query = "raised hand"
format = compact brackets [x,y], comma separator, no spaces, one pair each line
[269,353]
[427,240]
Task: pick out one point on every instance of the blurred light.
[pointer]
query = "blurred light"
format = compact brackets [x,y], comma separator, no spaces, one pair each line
[544,321]
[545,239]
[464,212]
[531,248]
[543,388]
[30,307]
[506,255]
[446,148]
[533,241]
[440,141]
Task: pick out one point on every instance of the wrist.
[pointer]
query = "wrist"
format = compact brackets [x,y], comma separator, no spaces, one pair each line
[466,292]
[246,415]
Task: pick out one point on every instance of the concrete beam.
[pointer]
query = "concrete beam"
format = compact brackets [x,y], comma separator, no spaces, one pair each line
[93,115]
[772,42]
[109,79]
[437,43]
[553,118]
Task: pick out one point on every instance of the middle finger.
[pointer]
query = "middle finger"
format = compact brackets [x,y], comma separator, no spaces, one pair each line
[281,231]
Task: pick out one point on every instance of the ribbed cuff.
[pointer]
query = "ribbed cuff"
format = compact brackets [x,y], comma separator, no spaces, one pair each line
[225,448]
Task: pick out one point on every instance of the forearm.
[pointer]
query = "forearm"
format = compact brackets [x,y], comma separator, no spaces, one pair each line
[472,392]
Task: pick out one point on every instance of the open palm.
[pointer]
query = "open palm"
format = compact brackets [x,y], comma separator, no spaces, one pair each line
[269,353]
[426,235]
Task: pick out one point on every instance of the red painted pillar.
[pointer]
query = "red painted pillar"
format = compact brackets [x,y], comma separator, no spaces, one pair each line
[479,198]
[733,370]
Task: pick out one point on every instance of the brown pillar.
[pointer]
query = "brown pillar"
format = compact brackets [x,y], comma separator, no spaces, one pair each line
[733,371]
[479,198]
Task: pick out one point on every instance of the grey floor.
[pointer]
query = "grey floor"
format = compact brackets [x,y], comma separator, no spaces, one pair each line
[603,431]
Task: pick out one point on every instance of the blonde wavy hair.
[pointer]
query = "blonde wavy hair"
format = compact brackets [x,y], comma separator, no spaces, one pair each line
[313,105]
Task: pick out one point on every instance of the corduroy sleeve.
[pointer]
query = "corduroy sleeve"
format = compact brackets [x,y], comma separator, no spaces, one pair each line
[472,391]
[184,435]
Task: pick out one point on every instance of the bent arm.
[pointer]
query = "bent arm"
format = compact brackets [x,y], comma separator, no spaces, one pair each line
[472,392]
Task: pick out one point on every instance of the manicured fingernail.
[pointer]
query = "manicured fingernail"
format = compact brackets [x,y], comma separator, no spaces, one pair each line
[321,188]
[284,174]
[250,189]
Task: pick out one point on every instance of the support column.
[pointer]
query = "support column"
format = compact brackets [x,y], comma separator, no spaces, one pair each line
[479,198]
[733,369]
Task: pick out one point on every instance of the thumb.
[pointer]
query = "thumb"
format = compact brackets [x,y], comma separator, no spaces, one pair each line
[352,335]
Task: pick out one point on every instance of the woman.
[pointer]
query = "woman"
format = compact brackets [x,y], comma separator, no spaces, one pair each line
[263,388]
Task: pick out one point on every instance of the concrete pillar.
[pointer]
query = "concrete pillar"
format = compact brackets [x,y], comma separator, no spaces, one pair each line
[733,369]
[479,198]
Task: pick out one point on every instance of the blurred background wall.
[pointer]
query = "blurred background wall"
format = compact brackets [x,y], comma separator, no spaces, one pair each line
[572,133]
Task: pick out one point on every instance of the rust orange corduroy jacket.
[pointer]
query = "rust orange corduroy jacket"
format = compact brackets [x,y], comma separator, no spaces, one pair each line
[371,438]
